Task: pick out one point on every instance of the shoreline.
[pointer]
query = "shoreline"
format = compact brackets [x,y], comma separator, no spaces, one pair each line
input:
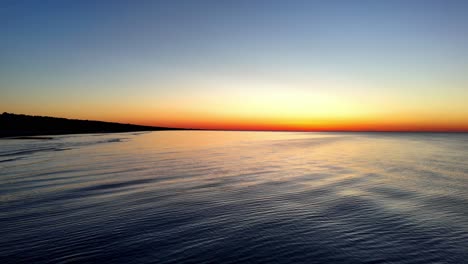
[26,126]
[45,135]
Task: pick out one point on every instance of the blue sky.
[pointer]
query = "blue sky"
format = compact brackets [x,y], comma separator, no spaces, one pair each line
[56,56]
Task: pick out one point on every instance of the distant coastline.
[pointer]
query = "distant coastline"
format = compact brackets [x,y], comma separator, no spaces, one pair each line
[19,126]
[26,126]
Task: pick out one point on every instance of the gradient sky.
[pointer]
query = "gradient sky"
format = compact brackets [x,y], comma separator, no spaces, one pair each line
[286,65]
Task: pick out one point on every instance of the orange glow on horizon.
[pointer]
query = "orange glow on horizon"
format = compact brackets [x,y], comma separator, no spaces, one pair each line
[335,125]
[397,123]
[282,110]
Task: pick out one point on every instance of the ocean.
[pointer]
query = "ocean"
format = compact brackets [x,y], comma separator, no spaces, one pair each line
[235,197]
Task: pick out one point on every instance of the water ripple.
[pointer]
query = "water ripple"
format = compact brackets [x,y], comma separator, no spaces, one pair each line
[235,197]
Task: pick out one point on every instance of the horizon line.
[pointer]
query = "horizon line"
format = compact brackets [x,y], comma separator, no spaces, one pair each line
[262,130]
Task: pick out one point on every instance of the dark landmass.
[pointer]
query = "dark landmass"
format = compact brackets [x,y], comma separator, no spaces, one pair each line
[26,126]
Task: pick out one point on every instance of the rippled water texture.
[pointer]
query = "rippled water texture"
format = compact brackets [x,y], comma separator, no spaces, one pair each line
[227,197]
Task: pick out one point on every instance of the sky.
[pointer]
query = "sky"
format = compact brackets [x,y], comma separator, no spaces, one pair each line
[254,65]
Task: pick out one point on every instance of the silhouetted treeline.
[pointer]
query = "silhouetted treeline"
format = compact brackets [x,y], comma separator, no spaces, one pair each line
[12,125]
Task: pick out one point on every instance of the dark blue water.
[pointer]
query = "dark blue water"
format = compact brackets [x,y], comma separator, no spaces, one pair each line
[230,197]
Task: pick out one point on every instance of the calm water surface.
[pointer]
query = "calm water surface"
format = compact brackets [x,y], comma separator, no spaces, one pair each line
[230,197]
